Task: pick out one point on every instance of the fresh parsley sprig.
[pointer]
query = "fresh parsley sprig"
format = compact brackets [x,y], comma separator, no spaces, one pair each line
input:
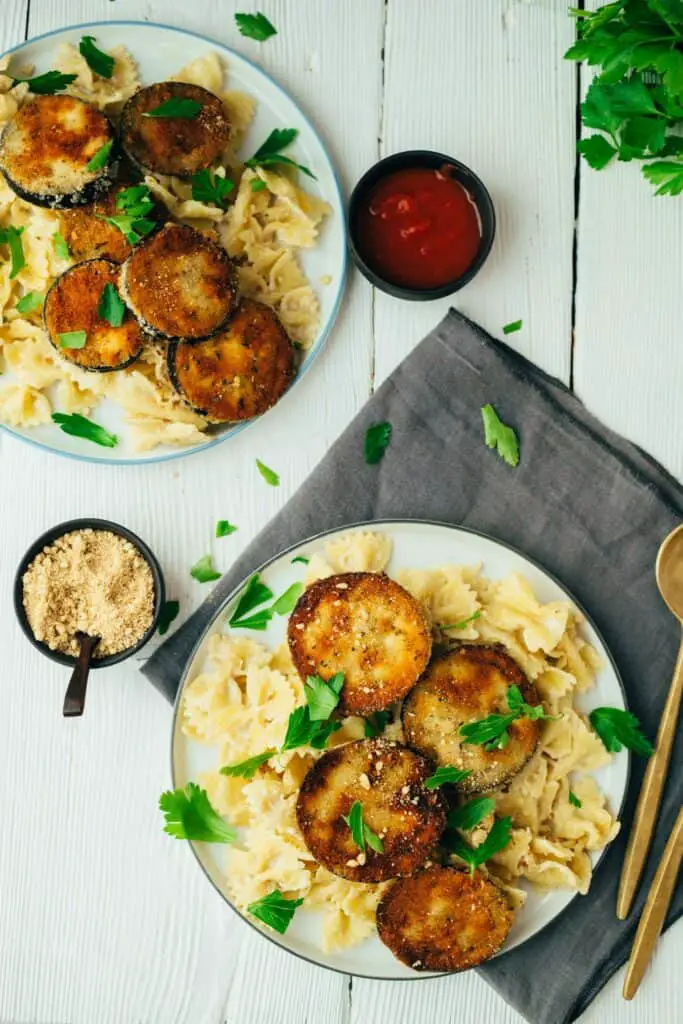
[270,153]
[361,833]
[471,814]
[101,63]
[189,815]
[492,732]
[247,769]
[79,426]
[46,84]
[176,106]
[275,910]
[255,26]
[617,729]
[11,237]
[111,306]
[203,571]
[446,774]
[211,188]
[497,839]
[499,436]
[464,622]
[322,696]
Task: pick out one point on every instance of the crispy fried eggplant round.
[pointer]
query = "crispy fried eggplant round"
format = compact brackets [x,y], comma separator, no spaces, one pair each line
[46,148]
[368,627]
[443,919]
[174,145]
[239,372]
[72,308]
[90,235]
[388,781]
[180,285]
[461,686]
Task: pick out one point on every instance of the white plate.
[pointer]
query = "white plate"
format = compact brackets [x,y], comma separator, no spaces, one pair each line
[160,51]
[415,545]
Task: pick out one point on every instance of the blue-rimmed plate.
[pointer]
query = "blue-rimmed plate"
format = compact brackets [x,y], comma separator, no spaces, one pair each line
[161,51]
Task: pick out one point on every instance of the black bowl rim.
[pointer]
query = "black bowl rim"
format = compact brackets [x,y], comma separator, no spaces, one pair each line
[422,158]
[53,534]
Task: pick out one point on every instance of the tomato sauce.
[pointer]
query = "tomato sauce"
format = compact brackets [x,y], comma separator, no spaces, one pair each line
[419,228]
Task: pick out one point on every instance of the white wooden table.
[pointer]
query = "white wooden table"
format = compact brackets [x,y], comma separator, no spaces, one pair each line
[103,919]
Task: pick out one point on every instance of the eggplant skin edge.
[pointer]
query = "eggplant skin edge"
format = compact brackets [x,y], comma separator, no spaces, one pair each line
[93,191]
[173,377]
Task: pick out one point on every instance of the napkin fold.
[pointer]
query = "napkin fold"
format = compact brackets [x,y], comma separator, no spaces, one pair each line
[588,505]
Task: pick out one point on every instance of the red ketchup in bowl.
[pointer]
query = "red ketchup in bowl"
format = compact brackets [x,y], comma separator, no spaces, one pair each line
[419,228]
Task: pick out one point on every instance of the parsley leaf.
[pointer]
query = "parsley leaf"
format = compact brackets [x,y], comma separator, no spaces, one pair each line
[492,732]
[269,475]
[208,188]
[134,228]
[247,769]
[47,84]
[255,26]
[510,328]
[471,814]
[224,528]
[497,839]
[270,153]
[30,302]
[465,622]
[499,436]
[377,438]
[322,697]
[302,559]
[189,815]
[596,151]
[275,910]
[136,200]
[573,799]
[617,729]
[176,106]
[286,602]
[375,724]
[169,611]
[258,185]
[61,248]
[254,594]
[97,162]
[302,731]
[11,237]
[203,570]
[446,773]
[79,426]
[111,306]
[101,63]
[361,833]
[72,339]
[666,175]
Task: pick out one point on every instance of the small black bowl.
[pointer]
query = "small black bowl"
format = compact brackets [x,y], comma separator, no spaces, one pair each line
[404,161]
[70,527]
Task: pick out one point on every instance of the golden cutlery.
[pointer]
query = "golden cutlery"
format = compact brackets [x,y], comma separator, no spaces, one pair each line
[669,573]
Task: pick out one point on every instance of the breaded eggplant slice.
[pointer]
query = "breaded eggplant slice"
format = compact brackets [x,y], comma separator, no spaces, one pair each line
[89,236]
[239,372]
[443,919]
[388,780]
[46,147]
[180,285]
[174,145]
[465,685]
[368,627]
[72,305]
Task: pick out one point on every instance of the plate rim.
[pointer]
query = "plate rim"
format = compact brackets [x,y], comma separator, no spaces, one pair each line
[392,521]
[326,329]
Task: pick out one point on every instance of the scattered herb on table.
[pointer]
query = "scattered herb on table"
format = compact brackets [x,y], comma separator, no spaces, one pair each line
[247,769]
[79,426]
[101,63]
[617,729]
[97,162]
[177,106]
[270,153]
[61,248]
[377,438]
[511,328]
[361,833]
[497,839]
[471,814]
[286,602]
[203,570]
[255,26]
[169,612]
[211,188]
[189,815]
[446,773]
[111,306]
[573,799]
[499,436]
[302,559]
[224,528]
[30,302]
[492,732]
[269,475]
[465,622]
[376,723]
[275,910]
[635,101]
[322,696]
[11,237]
[47,84]
[72,339]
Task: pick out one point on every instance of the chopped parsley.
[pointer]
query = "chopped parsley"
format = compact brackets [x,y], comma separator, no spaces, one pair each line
[97,162]
[499,436]
[47,84]
[446,773]
[169,612]
[189,815]
[177,106]
[101,63]
[247,769]
[361,833]
[72,339]
[270,154]
[617,729]
[492,732]
[30,302]
[255,26]
[111,306]
[211,188]
[377,438]
[269,475]
[497,839]
[203,570]
[224,528]
[322,696]
[11,237]
[275,910]
[79,426]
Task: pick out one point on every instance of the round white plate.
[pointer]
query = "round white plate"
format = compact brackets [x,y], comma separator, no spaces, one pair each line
[415,545]
[160,51]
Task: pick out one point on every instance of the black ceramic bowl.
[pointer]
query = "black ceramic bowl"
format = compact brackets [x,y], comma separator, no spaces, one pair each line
[53,535]
[404,161]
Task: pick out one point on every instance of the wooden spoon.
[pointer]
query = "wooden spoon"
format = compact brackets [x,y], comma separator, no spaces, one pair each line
[74,698]
[669,572]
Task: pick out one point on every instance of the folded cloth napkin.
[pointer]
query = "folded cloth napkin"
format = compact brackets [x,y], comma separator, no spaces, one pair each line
[583,502]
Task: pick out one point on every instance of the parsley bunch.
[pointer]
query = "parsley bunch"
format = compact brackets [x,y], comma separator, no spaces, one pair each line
[635,103]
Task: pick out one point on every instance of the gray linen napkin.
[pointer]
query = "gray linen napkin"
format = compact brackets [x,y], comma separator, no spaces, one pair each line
[583,502]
